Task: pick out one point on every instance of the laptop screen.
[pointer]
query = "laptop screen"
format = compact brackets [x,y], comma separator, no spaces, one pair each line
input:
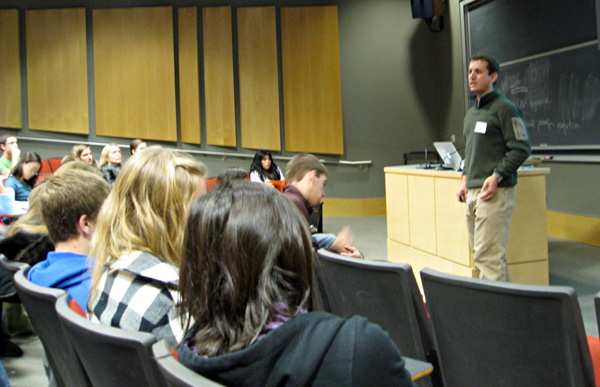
[450,157]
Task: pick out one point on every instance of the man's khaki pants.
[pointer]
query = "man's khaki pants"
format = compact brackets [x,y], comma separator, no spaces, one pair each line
[488,223]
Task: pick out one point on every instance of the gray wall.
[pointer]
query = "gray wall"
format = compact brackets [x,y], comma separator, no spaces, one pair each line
[403,87]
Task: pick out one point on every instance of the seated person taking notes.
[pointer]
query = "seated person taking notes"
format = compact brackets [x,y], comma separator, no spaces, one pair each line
[24,175]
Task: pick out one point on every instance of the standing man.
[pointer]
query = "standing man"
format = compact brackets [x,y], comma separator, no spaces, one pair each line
[497,143]
[10,153]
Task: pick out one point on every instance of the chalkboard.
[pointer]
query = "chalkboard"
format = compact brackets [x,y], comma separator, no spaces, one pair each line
[559,95]
[513,29]
[549,64]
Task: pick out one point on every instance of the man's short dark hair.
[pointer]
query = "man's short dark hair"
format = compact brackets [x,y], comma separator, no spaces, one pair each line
[66,197]
[5,137]
[492,64]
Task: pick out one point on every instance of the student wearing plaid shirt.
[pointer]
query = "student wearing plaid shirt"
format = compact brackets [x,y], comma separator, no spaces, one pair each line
[138,241]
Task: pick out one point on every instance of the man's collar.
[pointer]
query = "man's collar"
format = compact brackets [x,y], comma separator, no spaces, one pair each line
[484,98]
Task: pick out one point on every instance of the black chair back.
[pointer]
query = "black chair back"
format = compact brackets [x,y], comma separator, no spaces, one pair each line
[505,334]
[111,356]
[175,373]
[385,293]
[39,302]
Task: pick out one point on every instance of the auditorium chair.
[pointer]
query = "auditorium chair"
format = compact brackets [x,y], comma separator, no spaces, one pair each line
[111,356]
[387,294]
[505,334]
[39,301]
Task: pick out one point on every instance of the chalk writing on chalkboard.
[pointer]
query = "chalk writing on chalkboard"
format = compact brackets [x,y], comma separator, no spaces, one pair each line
[559,95]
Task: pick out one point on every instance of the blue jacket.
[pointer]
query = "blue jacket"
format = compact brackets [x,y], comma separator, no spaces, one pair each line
[67,271]
[22,190]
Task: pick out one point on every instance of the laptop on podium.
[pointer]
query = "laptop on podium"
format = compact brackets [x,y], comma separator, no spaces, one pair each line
[449,155]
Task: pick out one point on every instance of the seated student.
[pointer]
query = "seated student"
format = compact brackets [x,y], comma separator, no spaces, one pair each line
[137,145]
[10,153]
[307,177]
[26,241]
[70,203]
[27,238]
[264,170]
[83,153]
[110,163]
[24,175]
[6,203]
[138,241]
[248,289]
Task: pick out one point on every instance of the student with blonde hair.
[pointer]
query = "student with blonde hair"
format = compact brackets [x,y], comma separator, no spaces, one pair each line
[138,242]
[110,163]
[27,239]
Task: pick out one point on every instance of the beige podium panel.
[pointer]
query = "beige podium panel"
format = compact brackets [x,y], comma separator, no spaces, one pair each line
[421,213]
[423,201]
[397,208]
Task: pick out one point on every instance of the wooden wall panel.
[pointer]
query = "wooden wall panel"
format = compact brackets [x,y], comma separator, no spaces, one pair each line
[10,70]
[311,80]
[259,78]
[218,76]
[189,87]
[134,71]
[57,77]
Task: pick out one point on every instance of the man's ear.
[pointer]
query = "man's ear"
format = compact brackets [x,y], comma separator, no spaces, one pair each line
[494,78]
[84,226]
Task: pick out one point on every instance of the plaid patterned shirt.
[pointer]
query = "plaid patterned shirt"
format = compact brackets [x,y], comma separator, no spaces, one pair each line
[139,293]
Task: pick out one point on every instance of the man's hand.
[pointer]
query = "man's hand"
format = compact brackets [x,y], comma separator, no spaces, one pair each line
[344,238]
[6,172]
[16,152]
[461,194]
[490,186]
[351,252]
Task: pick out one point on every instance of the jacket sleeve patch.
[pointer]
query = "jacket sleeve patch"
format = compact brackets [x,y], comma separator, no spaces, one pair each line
[519,129]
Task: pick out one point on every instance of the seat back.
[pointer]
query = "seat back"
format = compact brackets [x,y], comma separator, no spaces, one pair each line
[175,373]
[385,293]
[211,183]
[55,163]
[39,302]
[111,356]
[45,168]
[11,266]
[495,333]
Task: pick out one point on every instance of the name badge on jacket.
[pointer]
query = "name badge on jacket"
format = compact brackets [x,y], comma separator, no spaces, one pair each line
[480,127]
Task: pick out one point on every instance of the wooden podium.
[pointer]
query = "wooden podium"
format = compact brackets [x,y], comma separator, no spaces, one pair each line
[427,228]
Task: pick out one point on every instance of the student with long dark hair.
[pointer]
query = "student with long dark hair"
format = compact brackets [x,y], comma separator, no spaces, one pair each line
[263,168]
[249,291]
[24,175]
